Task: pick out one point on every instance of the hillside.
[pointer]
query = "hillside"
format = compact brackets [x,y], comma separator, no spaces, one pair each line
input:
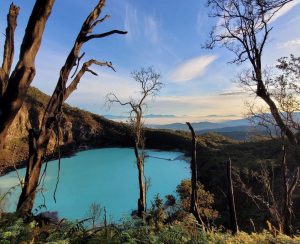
[241,133]
[82,130]
[240,130]
[79,130]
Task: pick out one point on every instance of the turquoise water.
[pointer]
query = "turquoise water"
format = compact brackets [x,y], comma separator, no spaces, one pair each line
[106,176]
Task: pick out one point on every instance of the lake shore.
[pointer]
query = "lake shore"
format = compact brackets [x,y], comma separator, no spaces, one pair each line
[68,151]
[107,176]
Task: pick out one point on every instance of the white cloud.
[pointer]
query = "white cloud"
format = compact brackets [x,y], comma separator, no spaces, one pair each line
[286,8]
[201,22]
[192,68]
[131,22]
[151,29]
[140,25]
[290,44]
[200,105]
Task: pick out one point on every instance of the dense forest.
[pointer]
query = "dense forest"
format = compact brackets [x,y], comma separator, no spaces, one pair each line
[239,191]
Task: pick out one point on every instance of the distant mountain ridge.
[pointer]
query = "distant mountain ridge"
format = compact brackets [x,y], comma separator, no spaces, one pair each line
[240,129]
[205,125]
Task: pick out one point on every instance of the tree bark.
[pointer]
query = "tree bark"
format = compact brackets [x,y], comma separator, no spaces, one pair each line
[231,202]
[193,205]
[24,72]
[142,187]
[27,196]
[9,47]
[262,93]
[54,108]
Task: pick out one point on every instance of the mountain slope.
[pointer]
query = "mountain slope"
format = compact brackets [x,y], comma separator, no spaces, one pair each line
[79,129]
[205,125]
[235,129]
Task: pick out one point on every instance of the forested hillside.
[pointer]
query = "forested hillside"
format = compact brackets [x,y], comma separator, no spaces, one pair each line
[82,130]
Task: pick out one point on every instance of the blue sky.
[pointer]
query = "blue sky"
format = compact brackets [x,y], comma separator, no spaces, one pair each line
[165,34]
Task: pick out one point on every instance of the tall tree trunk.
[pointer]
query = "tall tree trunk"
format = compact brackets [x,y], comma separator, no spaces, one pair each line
[142,187]
[34,164]
[17,84]
[231,202]
[193,205]
[28,193]
[284,128]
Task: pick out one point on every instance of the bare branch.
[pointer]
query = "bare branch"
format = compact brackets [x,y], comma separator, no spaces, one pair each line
[8,52]
[98,22]
[84,68]
[77,65]
[102,35]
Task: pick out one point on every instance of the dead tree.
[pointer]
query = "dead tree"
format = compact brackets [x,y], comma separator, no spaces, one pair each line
[244,30]
[39,140]
[231,203]
[278,201]
[150,85]
[14,86]
[194,198]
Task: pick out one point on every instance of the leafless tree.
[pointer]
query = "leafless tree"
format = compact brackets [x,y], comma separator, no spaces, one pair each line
[284,88]
[94,214]
[38,141]
[150,85]
[14,85]
[278,201]
[194,195]
[244,28]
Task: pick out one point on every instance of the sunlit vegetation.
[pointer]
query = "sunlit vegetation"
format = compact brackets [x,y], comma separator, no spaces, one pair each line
[239,191]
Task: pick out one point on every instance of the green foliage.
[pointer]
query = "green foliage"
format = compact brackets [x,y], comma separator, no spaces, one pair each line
[205,199]
[244,238]
[14,230]
[157,213]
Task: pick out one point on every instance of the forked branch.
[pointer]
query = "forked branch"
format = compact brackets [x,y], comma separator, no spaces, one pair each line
[85,68]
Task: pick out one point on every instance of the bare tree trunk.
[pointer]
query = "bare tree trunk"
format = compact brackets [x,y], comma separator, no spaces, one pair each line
[150,85]
[142,187]
[262,93]
[193,206]
[138,142]
[27,197]
[231,203]
[15,87]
